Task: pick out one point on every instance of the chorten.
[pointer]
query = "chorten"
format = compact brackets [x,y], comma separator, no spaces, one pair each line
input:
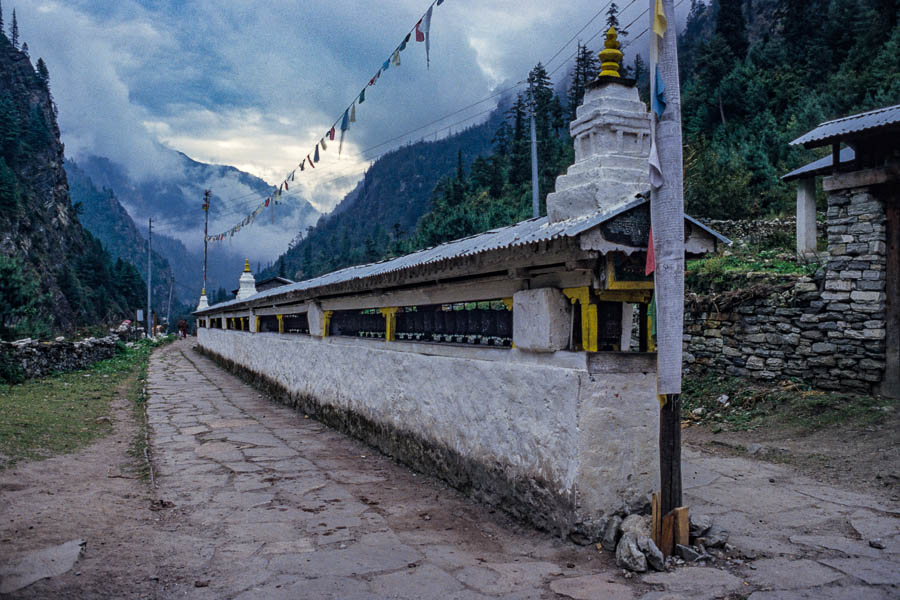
[247,281]
[612,143]
[204,303]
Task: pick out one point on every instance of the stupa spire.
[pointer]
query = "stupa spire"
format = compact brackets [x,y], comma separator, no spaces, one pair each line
[610,56]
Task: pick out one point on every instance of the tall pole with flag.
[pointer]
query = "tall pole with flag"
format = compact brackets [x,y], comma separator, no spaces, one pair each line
[667,223]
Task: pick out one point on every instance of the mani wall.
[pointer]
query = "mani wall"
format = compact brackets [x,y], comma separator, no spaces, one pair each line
[502,362]
[828,330]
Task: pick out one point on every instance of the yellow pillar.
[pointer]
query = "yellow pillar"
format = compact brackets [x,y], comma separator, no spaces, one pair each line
[390,323]
[280,323]
[326,322]
[257,325]
[582,295]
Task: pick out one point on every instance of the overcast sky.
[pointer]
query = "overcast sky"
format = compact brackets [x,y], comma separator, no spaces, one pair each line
[256,84]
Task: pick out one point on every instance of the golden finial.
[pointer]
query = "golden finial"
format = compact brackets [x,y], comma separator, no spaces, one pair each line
[610,56]
[246,265]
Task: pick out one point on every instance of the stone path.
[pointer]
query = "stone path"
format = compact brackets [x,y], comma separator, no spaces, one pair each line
[269,504]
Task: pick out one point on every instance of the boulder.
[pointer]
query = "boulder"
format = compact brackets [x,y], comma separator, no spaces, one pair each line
[629,556]
[700,524]
[636,524]
[715,537]
[654,555]
[611,535]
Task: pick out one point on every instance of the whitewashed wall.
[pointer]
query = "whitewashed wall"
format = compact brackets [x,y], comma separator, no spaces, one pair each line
[590,439]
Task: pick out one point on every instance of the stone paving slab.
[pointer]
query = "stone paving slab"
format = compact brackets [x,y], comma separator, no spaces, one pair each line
[270,504]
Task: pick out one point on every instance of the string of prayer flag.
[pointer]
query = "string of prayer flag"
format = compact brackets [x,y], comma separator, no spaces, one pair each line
[422,32]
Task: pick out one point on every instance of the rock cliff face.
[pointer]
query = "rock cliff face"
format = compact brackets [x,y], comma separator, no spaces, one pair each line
[38,225]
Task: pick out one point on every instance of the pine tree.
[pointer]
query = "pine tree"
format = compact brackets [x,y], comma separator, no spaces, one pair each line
[2,29]
[586,68]
[43,72]
[25,48]
[730,25]
[15,31]
[612,19]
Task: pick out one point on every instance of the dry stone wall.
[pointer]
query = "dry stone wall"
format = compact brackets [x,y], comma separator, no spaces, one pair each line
[828,330]
[38,359]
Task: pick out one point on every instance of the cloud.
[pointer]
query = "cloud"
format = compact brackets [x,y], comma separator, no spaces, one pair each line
[256,85]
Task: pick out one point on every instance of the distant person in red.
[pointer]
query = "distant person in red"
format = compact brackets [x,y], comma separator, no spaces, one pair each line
[182,328]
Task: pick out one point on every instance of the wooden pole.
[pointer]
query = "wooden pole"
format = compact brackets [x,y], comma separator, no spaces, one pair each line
[149,276]
[667,216]
[535,184]
[206,197]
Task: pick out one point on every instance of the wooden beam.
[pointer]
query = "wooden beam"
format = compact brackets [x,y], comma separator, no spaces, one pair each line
[863,178]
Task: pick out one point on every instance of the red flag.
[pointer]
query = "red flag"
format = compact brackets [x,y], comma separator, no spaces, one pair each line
[286,185]
[651,257]
[267,201]
[420,37]
[311,163]
[331,134]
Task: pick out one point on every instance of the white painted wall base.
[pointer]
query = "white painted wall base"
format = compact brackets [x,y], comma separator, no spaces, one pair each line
[590,440]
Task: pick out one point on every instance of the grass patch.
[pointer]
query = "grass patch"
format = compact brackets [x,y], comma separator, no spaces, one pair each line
[732,403]
[723,271]
[62,413]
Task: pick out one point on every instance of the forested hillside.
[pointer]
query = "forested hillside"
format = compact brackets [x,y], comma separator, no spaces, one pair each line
[101,213]
[756,74]
[53,274]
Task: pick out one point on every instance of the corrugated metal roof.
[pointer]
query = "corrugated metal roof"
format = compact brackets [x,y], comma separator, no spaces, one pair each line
[820,167]
[873,119]
[523,233]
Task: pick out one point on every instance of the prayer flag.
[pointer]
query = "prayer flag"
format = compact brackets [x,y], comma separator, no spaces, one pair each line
[316,156]
[396,59]
[403,43]
[353,113]
[386,65]
[658,101]
[323,144]
[362,96]
[345,121]
[286,185]
[310,161]
[428,36]
[303,165]
[267,201]
[420,36]
[439,2]
[651,256]
[331,133]
[660,23]
[656,176]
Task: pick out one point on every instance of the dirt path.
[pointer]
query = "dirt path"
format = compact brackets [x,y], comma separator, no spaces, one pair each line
[263,503]
[85,495]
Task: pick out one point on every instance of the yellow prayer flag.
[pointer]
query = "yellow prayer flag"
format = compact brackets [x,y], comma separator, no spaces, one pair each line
[660,23]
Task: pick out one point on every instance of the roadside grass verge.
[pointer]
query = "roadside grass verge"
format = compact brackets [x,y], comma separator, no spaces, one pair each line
[736,404]
[61,413]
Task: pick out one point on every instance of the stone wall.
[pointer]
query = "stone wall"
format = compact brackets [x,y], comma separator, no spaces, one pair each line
[761,232]
[537,434]
[38,359]
[828,330]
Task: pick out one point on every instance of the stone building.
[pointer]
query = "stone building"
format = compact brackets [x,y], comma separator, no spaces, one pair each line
[502,362]
[861,179]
